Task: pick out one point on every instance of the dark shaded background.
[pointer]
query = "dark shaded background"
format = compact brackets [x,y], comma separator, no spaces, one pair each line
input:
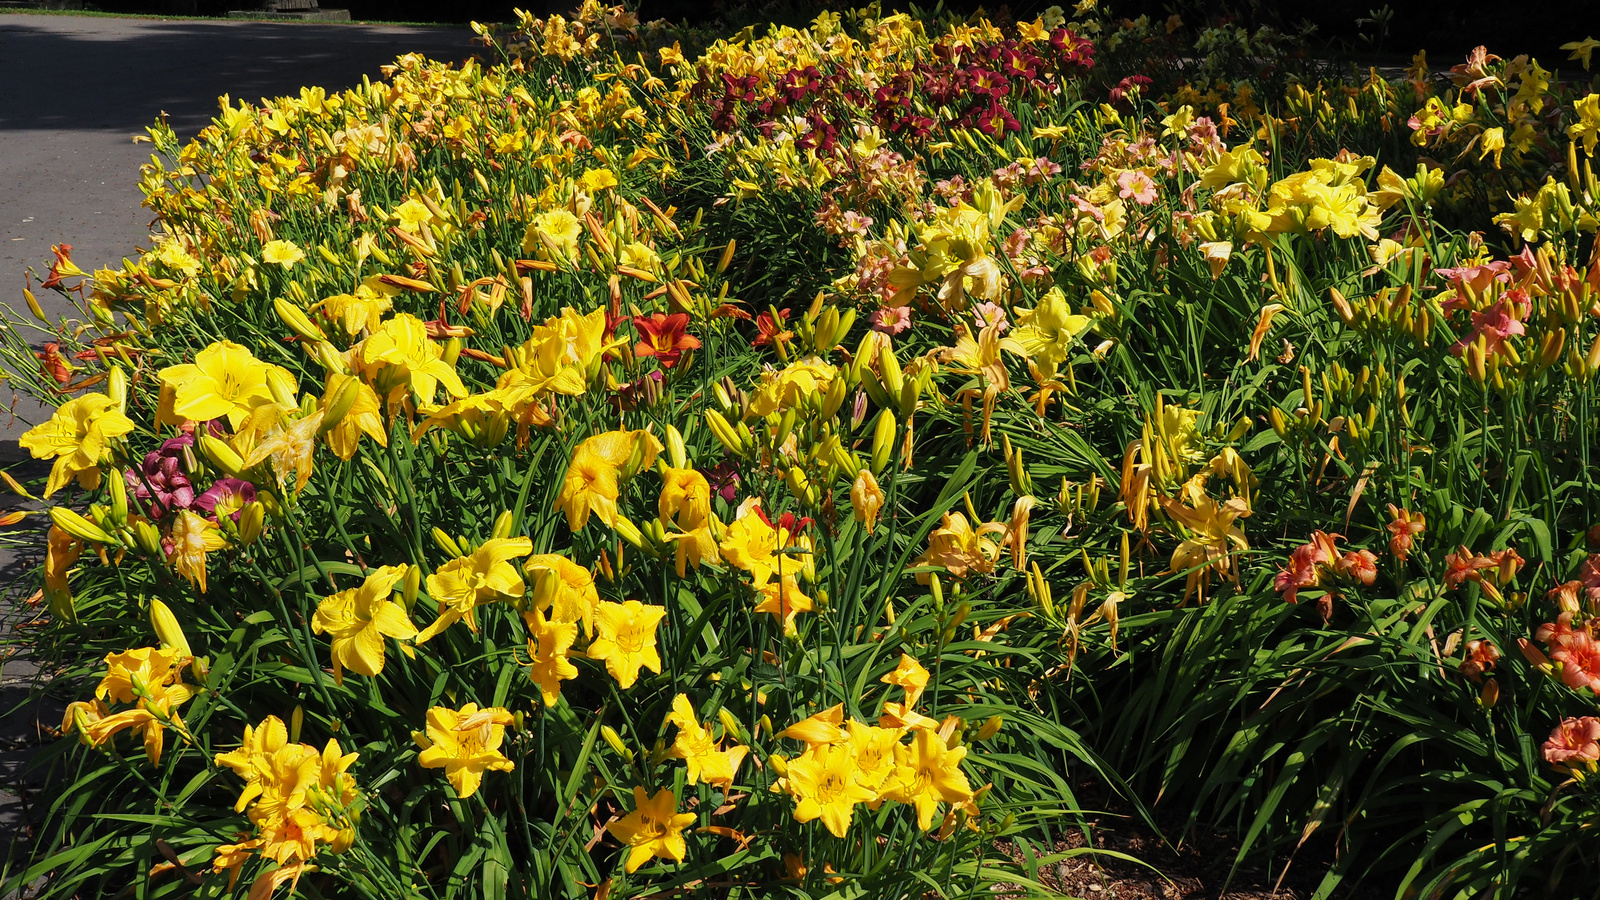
[1447,29]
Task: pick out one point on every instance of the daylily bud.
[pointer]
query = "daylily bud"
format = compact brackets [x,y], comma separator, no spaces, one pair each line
[727,256]
[883,436]
[297,722]
[1490,695]
[336,405]
[730,725]
[446,542]
[677,453]
[251,519]
[629,531]
[1341,306]
[990,728]
[297,321]
[834,399]
[147,537]
[724,432]
[503,524]
[219,454]
[409,586]
[34,307]
[119,499]
[79,527]
[889,367]
[614,740]
[167,628]
[117,388]
[282,386]
[778,764]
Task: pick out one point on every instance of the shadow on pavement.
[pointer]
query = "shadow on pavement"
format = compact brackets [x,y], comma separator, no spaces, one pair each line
[94,73]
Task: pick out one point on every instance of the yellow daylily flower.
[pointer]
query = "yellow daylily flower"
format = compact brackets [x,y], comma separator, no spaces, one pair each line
[465,743]
[224,381]
[365,416]
[823,783]
[192,537]
[283,253]
[400,356]
[77,436]
[625,639]
[695,745]
[927,772]
[548,644]
[593,479]
[358,619]
[563,587]
[465,583]
[654,828]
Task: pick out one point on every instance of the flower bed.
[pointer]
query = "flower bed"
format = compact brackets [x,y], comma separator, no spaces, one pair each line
[798,466]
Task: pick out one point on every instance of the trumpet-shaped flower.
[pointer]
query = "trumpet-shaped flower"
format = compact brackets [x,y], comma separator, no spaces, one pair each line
[549,642]
[928,773]
[564,588]
[224,381]
[465,583]
[400,356]
[783,599]
[695,745]
[593,479]
[625,639]
[823,782]
[653,829]
[358,619]
[465,743]
[1212,534]
[665,337]
[77,437]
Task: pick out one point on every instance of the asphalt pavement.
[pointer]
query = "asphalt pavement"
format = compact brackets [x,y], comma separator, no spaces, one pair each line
[74,92]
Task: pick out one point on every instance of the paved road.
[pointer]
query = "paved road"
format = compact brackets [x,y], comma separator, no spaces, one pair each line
[74,90]
[73,93]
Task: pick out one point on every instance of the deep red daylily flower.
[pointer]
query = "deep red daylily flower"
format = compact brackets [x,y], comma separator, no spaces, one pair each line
[665,337]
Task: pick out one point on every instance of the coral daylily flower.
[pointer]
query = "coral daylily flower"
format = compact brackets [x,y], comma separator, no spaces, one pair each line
[360,618]
[465,743]
[665,337]
[654,828]
[465,583]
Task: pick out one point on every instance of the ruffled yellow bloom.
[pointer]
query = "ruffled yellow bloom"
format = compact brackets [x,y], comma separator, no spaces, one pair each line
[291,447]
[553,234]
[149,678]
[252,761]
[960,549]
[823,783]
[1047,334]
[625,639]
[400,356]
[363,310]
[593,479]
[874,748]
[467,582]
[910,676]
[784,600]
[686,495]
[564,588]
[77,437]
[1212,535]
[224,381]
[283,253]
[360,618]
[866,499]
[754,544]
[548,645]
[695,745]
[654,828]
[365,416]
[928,773]
[792,386]
[192,537]
[465,743]
[482,420]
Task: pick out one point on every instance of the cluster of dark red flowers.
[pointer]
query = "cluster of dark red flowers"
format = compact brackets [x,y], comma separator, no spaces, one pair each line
[962,86]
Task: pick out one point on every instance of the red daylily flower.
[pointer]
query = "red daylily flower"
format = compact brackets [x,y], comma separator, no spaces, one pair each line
[665,336]
[770,331]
